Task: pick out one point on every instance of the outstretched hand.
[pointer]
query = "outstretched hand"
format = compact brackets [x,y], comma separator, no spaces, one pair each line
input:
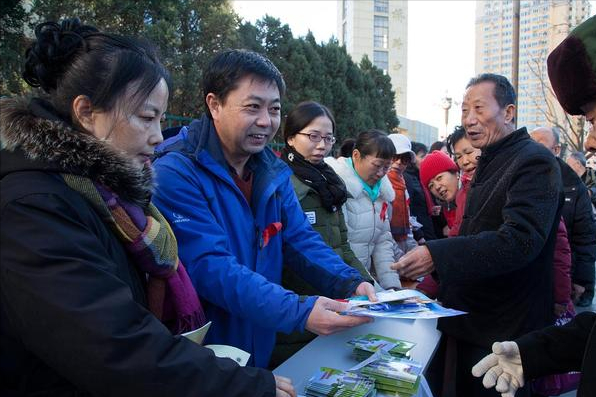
[502,369]
[414,264]
[367,289]
[283,387]
[325,320]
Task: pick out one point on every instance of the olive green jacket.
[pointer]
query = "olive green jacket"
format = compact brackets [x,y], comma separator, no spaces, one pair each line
[332,228]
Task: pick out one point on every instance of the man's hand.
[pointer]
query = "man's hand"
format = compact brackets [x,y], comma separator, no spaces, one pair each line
[502,369]
[283,387]
[323,319]
[416,263]
[367,289]
[559,309]
[576,291]
[446,231]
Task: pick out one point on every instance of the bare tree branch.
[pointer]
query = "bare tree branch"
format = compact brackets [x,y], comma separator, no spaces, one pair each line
[572,128]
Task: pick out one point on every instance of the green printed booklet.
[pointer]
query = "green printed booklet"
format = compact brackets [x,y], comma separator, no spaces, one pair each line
[393,376]
[329,382]
[366,345]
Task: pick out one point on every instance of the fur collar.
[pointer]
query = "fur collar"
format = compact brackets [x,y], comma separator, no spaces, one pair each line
[353,184]
[71,151]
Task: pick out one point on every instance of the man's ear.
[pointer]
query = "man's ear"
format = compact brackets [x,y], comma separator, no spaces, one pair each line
[82,113]
[214,104]
[510,113]
[356,154]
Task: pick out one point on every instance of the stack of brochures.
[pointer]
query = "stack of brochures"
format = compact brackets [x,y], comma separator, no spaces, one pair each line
[366,345]
[329,382]
[393,376]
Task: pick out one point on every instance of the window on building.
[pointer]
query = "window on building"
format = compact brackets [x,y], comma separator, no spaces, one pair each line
[344,34]
[381,60]
[381,32]
[344,8]
[381,5]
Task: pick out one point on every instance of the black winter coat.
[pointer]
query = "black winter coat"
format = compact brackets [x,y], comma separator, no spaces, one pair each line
[581,226]
[556,350]
[73,318]
[499,268]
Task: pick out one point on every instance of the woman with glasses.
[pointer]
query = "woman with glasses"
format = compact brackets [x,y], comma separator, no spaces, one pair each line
[368,207]
[308,133]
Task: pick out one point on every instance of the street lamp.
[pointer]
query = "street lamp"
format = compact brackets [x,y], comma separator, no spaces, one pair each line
[446,105]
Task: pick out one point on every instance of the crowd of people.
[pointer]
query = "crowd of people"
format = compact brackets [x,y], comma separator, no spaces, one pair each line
[115,242]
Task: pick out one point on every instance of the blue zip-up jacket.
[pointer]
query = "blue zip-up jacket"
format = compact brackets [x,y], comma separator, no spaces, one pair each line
[235,270]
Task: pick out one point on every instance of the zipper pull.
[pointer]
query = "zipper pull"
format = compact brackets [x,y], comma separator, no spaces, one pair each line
[259,237]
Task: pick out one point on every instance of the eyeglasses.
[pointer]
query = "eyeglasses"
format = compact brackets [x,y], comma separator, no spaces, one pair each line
[329,139]
[380,167]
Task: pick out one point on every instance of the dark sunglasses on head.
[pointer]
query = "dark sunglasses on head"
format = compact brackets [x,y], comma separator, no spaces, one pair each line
[404,158]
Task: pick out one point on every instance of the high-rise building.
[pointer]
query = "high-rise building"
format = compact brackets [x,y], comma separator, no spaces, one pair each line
[378,29]
[543,25]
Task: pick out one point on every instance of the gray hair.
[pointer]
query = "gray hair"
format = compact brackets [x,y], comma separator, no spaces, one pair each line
[556,134]
[503,92]
[579,156]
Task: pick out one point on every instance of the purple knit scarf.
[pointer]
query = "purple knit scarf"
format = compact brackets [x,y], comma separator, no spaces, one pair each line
[152,245]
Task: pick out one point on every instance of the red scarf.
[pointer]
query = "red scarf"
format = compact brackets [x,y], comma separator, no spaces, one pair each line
[460,203]
[400,217]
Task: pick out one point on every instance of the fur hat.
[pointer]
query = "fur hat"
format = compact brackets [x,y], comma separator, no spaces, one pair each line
[433,164]
[572,68]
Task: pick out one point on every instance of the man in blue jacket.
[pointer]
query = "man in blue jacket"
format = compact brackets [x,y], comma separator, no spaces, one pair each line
[237,220]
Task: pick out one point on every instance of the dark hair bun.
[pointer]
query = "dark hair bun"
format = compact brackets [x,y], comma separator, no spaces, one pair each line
[53,51]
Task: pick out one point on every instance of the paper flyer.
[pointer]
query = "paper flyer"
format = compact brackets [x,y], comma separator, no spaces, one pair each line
[198,335]
[225,351]
[404,304]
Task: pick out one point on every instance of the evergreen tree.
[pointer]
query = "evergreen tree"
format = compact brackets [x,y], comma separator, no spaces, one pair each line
[359,96]
[188,33]
[13,20]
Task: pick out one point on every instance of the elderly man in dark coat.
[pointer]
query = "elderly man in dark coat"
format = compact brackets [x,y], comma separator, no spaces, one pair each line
[499,268]
[579,221]
[572,347]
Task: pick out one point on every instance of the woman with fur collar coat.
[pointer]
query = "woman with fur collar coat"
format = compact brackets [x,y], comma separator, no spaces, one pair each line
[92,290]
[367,210]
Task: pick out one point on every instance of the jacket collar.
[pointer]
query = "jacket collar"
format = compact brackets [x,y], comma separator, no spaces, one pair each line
[34,137]
[200,138]
[510,140]
[569,177]
[353,184]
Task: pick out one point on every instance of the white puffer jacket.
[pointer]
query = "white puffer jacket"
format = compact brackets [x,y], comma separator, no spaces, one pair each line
[369,232]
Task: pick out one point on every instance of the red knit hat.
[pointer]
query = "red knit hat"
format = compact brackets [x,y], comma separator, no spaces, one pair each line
[433,164]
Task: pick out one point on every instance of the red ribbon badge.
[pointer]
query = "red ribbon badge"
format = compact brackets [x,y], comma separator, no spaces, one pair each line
[384,211]
[270,231]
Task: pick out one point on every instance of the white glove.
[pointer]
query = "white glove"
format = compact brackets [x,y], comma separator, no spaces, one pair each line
[502,368]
